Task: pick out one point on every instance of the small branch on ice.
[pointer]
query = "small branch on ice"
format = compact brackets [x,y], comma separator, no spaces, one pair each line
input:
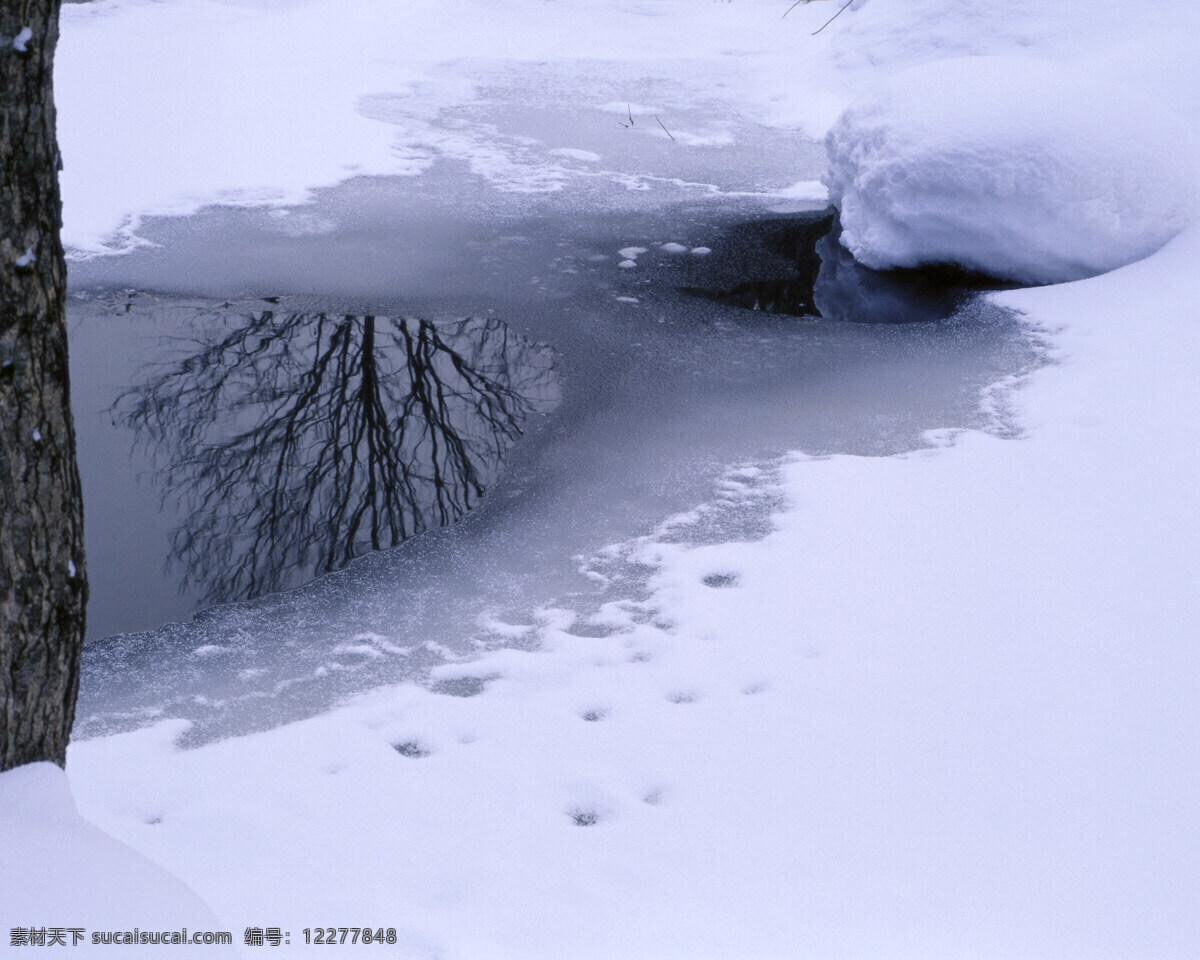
[841,10]
[661,124]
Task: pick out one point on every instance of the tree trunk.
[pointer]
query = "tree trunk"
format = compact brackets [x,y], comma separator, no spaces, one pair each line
[42,586]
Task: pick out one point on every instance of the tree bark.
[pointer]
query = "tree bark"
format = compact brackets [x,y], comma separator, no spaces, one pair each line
[42,586]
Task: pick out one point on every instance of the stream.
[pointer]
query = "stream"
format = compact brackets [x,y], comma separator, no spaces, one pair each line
[326,447]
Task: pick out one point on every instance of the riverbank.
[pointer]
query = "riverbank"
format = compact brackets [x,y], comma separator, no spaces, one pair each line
[942,707]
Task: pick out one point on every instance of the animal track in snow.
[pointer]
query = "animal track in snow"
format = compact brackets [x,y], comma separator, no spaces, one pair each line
[653,797]
[463,686]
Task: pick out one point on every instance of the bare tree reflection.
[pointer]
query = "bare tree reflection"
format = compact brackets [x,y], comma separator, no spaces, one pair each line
[295,442]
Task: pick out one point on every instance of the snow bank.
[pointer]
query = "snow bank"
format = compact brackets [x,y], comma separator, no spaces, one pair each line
[60,872]
[1015,167]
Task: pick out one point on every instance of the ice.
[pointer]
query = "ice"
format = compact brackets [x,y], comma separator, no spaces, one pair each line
[657,399]
[408,91]
[995,164]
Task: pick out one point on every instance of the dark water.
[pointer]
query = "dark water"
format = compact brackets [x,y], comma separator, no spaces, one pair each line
[667,375]
[282,445]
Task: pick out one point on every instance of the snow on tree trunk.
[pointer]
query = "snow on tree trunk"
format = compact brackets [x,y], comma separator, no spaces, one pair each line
[42,585]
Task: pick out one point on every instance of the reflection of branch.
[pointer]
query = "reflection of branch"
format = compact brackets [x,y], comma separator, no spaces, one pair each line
[295,443]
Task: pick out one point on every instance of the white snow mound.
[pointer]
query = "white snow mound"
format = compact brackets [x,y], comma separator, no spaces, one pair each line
[1015,167]
[68,874]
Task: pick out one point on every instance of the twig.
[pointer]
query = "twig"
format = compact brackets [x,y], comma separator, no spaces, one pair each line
[661,124]
[827,22]
[630,110]
[834,17]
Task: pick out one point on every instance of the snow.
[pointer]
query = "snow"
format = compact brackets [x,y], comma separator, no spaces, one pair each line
[21,40]
[673,247]
[28,258]
[935,757]
[587,156]
[209,650]
[62,872]
[991,163]
[946,708]
[812,191]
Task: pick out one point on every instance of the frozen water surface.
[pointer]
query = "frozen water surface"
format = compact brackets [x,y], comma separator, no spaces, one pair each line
[667,382]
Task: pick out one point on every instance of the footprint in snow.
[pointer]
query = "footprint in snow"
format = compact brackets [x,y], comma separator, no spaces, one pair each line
[654,797]
[463,686]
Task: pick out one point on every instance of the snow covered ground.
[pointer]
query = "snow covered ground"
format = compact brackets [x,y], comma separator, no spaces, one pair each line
[945,708]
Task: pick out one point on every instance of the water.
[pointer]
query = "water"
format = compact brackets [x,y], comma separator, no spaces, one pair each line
[666,380]
[280,445]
